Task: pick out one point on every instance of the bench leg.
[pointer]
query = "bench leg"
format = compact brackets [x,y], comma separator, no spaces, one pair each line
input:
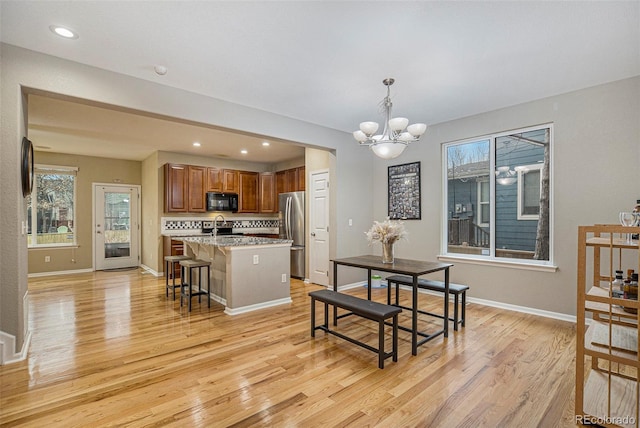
[313,317]
[464,304]
[455,312]
[381,344]
[394,338]
[326,314]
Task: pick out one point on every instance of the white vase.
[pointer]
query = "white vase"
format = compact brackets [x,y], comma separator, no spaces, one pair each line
[387,252]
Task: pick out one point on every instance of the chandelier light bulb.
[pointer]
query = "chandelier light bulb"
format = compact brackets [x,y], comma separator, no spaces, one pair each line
[398,123]
[394,139]
[369,128]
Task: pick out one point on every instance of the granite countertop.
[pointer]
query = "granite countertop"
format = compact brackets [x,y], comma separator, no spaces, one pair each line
[232,241]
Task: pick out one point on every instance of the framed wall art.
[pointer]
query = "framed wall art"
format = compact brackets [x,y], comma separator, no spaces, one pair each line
[404,191]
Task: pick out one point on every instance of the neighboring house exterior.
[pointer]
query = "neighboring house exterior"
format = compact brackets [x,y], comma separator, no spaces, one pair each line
[516,204]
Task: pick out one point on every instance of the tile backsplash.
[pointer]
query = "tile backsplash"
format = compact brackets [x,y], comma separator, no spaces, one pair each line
[186,224]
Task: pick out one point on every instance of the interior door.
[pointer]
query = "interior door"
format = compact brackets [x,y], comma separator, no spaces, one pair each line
[116,226]
[319,228]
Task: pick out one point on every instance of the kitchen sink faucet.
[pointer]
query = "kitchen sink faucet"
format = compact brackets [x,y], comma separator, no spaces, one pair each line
[215,225]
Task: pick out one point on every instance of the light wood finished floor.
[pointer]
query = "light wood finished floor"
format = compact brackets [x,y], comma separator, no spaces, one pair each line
[109,349]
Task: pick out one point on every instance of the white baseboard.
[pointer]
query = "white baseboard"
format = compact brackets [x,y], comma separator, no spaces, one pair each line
[491,303]
[153,272]
[8,346]
[61,272]
[243,309]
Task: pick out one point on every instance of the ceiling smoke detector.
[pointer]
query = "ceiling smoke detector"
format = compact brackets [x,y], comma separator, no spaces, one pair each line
[160,70]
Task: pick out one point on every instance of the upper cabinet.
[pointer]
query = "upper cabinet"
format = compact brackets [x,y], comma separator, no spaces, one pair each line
[214,179]
[267,195]
[184,188]
[290,180]
[248,195]
[230,183]
[176,188]
[302,178]
[197,181]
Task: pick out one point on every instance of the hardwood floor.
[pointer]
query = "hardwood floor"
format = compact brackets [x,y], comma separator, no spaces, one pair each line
[109,349]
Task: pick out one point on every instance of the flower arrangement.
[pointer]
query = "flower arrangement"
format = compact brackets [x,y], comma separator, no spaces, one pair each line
[387,232]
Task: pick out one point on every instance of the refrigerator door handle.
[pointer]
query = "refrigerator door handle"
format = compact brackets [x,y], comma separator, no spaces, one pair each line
[288,217]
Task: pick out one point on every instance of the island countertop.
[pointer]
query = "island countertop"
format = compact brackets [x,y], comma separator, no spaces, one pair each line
[233,241]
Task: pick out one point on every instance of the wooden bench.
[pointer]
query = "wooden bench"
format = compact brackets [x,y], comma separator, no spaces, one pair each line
[365,308]
[427,284]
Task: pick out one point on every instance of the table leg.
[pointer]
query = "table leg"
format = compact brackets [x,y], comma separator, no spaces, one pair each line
[414,317]
[446,302]
[368,284]
[335,288]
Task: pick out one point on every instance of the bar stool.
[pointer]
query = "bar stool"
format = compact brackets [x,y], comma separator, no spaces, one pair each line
[170,263]
[186,290]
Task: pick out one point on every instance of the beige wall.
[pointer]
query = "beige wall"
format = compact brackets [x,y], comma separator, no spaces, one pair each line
[90,170]
[596,154]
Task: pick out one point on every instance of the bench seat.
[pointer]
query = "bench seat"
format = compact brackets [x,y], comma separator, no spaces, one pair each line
[364,308]
[438,286]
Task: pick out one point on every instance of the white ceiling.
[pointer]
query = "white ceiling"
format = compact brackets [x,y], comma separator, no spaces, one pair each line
[324,62]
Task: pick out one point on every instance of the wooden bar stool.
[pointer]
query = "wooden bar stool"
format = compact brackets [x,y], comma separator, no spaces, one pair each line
[186,290]
[170,263]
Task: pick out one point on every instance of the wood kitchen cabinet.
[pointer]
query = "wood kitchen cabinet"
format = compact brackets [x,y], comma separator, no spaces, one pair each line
[267,195]
[176,188]
[248,195]
[302,179]
[184,188]
[215,179]
[290,180]
[197,181]
[230,182]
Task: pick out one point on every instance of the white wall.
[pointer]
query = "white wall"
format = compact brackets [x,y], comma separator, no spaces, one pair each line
[31,70]
[596,157]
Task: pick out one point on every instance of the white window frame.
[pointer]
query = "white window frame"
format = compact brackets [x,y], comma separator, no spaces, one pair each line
[521,173]
[481,202]
[489,257]
[52,169]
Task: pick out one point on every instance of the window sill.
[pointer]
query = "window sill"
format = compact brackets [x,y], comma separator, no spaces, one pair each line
[52,246]
[501,263]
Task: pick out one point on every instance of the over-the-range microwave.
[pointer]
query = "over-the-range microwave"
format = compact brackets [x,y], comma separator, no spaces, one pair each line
[222,201]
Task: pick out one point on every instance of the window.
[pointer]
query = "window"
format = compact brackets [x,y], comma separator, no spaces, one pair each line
[51,207]
[507,176]
[529,178]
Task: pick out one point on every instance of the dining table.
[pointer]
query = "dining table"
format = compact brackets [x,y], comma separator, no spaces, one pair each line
[408,267]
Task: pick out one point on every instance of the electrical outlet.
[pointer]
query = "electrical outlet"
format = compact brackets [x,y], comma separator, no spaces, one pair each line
[47,259]
[284,277]
[350,222]
[256,259]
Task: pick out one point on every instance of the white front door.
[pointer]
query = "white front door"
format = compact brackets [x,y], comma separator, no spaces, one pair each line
[116,226]
[319,228]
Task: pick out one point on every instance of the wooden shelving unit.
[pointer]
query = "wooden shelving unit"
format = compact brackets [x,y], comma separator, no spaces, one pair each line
[607,344]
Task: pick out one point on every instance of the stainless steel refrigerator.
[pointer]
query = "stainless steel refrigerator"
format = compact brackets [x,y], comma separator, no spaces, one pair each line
[291,220]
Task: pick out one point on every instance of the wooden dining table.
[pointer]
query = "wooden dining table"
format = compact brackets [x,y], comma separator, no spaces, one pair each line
[411,268]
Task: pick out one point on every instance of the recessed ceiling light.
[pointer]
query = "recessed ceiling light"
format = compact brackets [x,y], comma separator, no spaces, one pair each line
[265,143]
[196,144]
[63,32]
[244,151]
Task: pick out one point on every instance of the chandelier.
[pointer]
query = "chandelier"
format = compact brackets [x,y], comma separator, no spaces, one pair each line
[394,139]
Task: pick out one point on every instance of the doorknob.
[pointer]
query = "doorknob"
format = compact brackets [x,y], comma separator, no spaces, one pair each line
[98,231]
[313,234]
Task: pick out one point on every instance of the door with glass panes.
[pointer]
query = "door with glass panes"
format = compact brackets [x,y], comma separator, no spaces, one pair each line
[116,227]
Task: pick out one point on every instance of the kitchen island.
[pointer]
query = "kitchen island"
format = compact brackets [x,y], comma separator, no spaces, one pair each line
[247,273]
